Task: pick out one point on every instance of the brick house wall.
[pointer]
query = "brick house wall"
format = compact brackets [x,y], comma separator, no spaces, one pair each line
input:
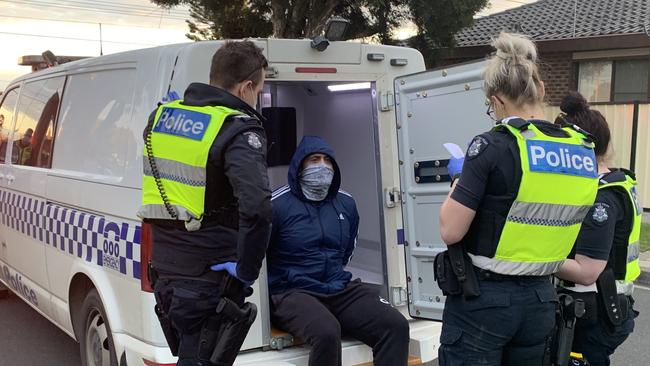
[559,75]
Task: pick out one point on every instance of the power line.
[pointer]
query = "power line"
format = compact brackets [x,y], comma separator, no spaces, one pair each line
[110,4]
[123,5]
[78,21]
[75,38]
[90,9]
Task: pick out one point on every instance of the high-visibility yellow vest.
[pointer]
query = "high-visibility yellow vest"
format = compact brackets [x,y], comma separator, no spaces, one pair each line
[558,186]
[180,141]
[632,269]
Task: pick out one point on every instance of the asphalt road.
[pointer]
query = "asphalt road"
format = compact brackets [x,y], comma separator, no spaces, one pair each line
[27,338]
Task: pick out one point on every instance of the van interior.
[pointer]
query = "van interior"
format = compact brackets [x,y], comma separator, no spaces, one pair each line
[345,116]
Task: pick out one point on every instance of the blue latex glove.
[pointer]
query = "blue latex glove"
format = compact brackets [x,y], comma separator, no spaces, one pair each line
[455,165]
[170,97]
[231,268]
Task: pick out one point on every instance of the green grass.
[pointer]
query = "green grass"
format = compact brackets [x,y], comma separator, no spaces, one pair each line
[645,237]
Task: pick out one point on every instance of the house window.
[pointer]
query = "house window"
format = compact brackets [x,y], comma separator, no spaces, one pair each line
[595,80]
[631,80]
[614,80]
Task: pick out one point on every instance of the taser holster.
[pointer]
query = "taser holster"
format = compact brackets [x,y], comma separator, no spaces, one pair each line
[454,272]
[230,329]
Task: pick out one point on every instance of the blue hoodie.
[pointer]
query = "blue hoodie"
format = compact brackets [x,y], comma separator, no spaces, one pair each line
[311,242]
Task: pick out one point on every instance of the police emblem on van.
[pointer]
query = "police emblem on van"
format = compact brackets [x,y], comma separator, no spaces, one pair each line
[559,158]
[182,123]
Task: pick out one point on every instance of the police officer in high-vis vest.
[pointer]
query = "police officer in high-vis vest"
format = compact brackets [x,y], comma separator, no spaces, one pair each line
[605,259]
[206,199]
[506,209]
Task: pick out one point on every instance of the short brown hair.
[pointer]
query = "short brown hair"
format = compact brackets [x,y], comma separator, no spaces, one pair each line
[235,62]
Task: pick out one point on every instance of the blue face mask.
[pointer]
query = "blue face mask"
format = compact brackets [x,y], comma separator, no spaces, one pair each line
[315,181]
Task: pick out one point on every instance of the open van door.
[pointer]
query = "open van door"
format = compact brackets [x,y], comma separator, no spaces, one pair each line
[433,107]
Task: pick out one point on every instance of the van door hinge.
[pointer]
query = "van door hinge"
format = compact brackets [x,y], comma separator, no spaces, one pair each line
[386,101]
[398,296]
[392,196]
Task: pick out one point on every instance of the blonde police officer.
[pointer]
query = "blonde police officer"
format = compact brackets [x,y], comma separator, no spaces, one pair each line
[509,213]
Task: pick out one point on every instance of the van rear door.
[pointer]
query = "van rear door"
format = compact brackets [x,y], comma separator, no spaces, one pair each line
[433,107]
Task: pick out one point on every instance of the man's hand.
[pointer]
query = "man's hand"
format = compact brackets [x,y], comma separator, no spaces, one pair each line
[231,268]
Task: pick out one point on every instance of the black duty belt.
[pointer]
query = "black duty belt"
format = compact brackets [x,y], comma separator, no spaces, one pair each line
[485,275]
[209,276]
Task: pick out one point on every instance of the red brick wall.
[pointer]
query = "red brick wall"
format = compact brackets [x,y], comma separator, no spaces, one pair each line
[558,74]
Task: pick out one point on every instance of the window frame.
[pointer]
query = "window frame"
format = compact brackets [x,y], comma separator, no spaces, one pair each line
[612,60]
[55,122]
[9,148]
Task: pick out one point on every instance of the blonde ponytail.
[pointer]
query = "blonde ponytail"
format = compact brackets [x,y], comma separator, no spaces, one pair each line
[513,70]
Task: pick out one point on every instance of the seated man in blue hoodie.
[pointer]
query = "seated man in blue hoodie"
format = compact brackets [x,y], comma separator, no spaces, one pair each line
[313,235]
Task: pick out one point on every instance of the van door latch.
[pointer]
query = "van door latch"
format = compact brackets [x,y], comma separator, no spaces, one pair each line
[398,296]
[386,101]
[392,196]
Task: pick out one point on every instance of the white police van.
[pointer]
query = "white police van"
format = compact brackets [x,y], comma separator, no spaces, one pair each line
[72,247]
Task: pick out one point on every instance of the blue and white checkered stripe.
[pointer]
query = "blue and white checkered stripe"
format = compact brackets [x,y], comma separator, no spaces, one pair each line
[107,243]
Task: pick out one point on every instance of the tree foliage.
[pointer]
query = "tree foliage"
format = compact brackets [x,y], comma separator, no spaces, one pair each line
[436,20]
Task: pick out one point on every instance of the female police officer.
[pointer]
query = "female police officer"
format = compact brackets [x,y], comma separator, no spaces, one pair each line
[506,210]
[605,259]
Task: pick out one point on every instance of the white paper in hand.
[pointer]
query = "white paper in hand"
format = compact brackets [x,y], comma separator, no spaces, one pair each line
[454,150]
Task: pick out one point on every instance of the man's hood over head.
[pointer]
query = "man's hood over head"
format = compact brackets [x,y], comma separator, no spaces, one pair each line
[312,145]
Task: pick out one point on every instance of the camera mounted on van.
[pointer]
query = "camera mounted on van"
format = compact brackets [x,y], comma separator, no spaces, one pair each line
[335,30]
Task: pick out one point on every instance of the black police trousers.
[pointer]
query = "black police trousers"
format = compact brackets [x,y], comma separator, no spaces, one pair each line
[357,311]
[507,325]
[189,303]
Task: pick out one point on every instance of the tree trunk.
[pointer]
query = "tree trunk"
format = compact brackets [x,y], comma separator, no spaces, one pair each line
[318,24]
[278,17]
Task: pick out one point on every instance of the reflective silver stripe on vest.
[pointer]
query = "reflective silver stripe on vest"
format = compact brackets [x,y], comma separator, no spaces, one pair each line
[515,268]
[547,214]
[632,252]
[176,172]
[160,212]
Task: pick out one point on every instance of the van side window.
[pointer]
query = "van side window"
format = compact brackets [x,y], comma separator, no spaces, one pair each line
[95,134]
[6,120]
[37,113]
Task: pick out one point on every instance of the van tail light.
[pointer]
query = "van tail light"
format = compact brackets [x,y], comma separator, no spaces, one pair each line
[316,70]
[151,363]
[146,243]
